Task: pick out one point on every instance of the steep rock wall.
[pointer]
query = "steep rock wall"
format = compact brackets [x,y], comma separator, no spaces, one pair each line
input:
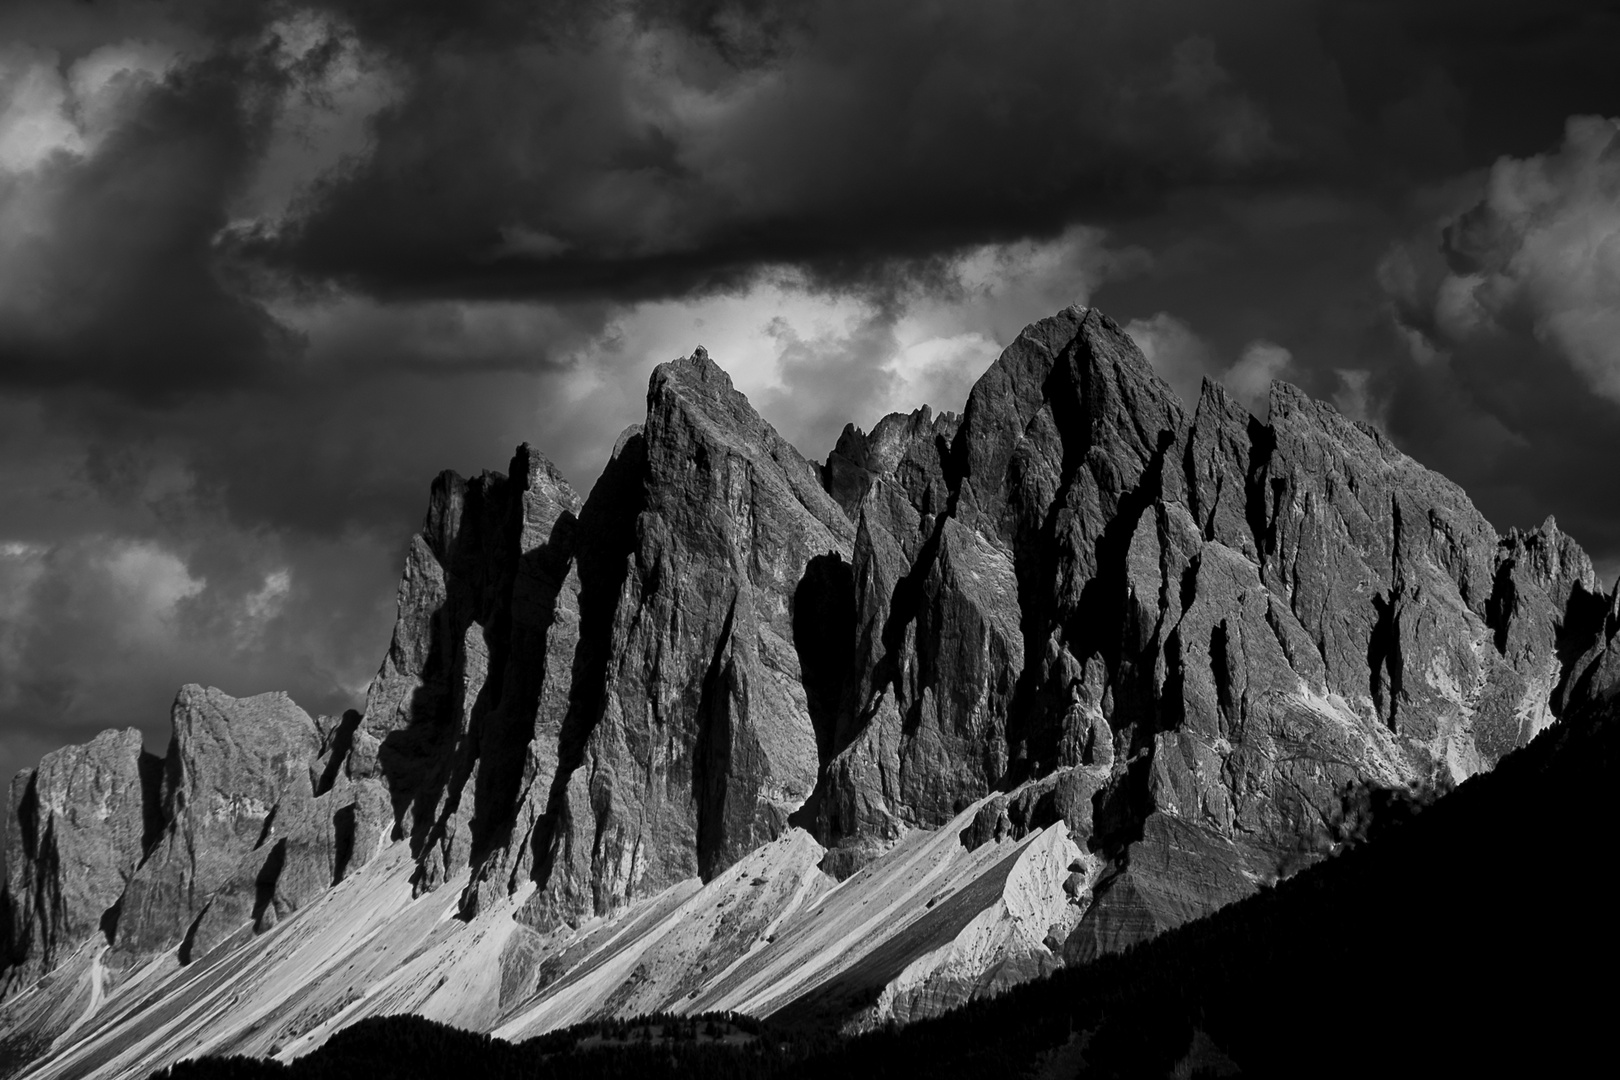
[1177,634]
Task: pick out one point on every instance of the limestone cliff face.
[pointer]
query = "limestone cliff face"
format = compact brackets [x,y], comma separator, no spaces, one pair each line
[689,735]
[76,830]
[1177,633]
[250,836]
[1184,634]
[608,696]
[245,820]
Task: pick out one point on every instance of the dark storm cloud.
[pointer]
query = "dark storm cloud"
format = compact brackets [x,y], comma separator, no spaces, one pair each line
[1518,69]
[1511,306]
[641,153]
[127,319]
[280,274]
[122,288]
[623,150]
[638,159]
[209,475]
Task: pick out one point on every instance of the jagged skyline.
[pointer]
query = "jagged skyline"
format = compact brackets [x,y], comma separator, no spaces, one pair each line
[266,271]
[1003,692]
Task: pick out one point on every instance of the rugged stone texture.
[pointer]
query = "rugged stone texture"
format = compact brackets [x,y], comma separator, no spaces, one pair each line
[1206,620]
[908,449]
[606,698]
[238,781]
[453,712]
[77,828]
[249,816]
[1179,634]
[690,737]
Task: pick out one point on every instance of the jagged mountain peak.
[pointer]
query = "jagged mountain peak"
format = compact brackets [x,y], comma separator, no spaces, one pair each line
[1076,657]
[695,417]
[532,469]
[909,449]
[1071,386]
[1552,553]
[1075,353]
[1218,397]
[696,367]
[702,387]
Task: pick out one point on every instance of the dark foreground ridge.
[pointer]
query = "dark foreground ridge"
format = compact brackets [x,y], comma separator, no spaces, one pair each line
[1473,939]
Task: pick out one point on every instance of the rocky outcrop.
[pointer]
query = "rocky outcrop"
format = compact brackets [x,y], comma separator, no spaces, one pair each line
[907,450]
[700,741]
[245,820]
[244,842]
[450,720]
[76,830]
[1170,637]
[608,697]
[1207,624]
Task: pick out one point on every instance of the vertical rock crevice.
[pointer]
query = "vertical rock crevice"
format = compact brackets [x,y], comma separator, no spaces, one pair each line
[824,629]
[604,555]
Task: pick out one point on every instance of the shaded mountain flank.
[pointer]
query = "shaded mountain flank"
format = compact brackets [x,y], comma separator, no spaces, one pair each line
[1465,938]
[978,698]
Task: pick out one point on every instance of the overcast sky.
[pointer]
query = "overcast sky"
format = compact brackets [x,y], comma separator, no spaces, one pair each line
[266,268]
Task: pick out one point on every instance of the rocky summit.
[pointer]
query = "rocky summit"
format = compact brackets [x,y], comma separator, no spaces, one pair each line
[979,697]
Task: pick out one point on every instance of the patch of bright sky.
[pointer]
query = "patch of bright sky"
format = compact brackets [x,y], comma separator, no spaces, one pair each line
[47,109]
[321,116]
[943,338]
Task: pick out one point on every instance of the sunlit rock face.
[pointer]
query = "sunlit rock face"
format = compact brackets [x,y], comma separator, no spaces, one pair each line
[607,697]
[980,696]
[76,830]
[1200,623]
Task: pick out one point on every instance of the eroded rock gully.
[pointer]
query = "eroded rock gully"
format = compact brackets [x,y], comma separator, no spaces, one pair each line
[1176,633]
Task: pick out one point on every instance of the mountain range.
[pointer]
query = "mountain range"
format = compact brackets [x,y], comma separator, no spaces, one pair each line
[978,699]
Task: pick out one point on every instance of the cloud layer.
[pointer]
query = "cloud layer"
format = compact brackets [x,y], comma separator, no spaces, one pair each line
[265,269]
[1507,311]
